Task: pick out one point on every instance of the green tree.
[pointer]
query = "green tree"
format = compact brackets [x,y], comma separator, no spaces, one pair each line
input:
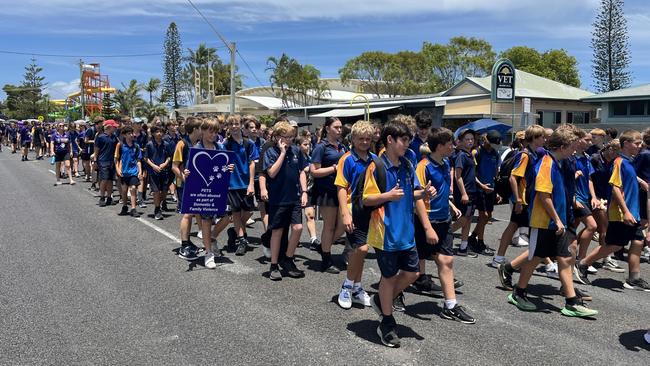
[151,87]
[554,64]
[298,84]
[108,107]
[373,69]
[33,84]
[173,66]
[202,60]
[127,99]
[610,45]
[460,58]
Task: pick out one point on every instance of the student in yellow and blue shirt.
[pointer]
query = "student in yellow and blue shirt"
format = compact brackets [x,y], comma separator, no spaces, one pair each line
[390,230]
[432,235]
[548,218]
[350,169]
[624,216]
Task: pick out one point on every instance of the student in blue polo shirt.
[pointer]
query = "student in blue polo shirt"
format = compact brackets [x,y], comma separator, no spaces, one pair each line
[128,168]
[624,216]
[585,196]
[158,160]
[423,121]
[350,169]
[324,160]
[286,180]
[548,217]
[105,144]
[241,188]
[465,188]
[433,220]
[390,231]
[141,137]
[25,139]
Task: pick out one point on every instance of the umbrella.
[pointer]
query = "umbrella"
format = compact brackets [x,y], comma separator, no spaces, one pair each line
[485,125]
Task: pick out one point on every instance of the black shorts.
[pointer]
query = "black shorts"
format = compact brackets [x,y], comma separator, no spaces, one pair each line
[466,210]
[61,156]
[579,213]
[357,238]
[238,201]
[279,216]
[445,240]
[643,204]
[256,185]
[25,143]
[105,170]
[485,201]
[323,198]
[37,143]
[621,235]
[390,263]
[130,181]
[546,243]
[158,182]
[85,156]
[171,177]
[14,140]
[521,219]
[75,154]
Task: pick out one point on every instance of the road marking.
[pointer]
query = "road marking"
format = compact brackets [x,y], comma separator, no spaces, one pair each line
[161,231]
[51,171]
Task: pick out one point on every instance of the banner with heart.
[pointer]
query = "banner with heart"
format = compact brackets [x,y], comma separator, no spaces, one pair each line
[206,188]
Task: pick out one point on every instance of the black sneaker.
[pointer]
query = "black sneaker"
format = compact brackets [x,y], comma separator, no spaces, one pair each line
[102,202]
[581,294]
[164,206]
[457,313]
[314,244]
[327,265]
[399,304]
[274,274]
[466,253]
[232,239]
[134,213]
[639,284]
[109,201]
[425,285]
[505,277]
[158,215]
[188,252]
[581,274]
[124,212]
[241,247]
[388,335]
[458,283]
[291,270]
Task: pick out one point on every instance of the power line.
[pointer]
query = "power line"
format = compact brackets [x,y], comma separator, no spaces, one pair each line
[79,56]
[225,42]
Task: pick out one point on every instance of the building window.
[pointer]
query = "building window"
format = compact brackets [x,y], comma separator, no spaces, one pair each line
[550,117]
[577,117]
[637,108]
[618,108]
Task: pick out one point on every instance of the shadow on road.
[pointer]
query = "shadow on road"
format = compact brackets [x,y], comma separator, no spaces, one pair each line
[367,329]
[634,341]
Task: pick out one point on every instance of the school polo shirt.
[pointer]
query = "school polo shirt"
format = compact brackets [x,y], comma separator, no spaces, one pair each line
[583,164]
[61,142]
[415,146]
[129,156]
[105,146]
[326,155]
[600,176]
[642,165]
[624,177]
[391,225]
[156,153]
[439,174]
[465,161]
[240,177]
[74,135]
[548,179]
[90,135]
[525,162]
[487,164]
[284,189]
[349,170]
[25,135]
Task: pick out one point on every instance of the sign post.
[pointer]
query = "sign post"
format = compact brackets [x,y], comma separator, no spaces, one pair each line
[206,188]
[503,85]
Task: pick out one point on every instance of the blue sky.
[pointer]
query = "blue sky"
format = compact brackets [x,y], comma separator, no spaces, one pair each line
[322,33]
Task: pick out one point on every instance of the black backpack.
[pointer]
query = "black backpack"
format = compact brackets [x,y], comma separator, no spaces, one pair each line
[502,180]
[361,213]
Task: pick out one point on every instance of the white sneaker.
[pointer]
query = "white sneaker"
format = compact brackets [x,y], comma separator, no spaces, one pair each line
[200,234]
[250,222]
[523,240]
[345,297]
[361,297]
[266,251]
[592,270]
[552,270]
[495,263]
[209,260]
[611,264]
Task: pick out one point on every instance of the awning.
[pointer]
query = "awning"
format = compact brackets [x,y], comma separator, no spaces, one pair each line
[351,112]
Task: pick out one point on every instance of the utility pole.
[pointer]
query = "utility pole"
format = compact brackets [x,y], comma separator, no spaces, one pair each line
[233,49]
[81,86]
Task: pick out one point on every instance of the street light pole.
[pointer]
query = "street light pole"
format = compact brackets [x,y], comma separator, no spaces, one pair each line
[233,49]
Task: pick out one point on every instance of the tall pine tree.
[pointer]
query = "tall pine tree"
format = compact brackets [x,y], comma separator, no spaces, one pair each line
[173,65]
[108,107]
[609,42]
[33,85]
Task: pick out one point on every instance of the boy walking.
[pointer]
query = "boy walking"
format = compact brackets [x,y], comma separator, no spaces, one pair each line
[158,160]
[128,169]
[105,154]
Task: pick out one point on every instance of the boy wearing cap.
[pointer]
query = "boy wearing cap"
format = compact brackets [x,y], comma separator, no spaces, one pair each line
[105,154]
[158,160]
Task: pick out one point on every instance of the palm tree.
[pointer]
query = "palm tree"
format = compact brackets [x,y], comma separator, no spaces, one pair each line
[127,99]
[151,87]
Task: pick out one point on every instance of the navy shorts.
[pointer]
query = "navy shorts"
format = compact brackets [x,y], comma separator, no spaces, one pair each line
[546,243]
[279,216]
[105,170]
[621,235]
[357,238]
[239,201]
[466,210]
[61,156]
[585,211]
[485,201]
[324,198]
[179,196]
[85,156]
[132,180]
[643,204]
[445,240]
[158,182]
[390,263]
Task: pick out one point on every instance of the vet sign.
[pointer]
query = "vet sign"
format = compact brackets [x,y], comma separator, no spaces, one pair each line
[503,81]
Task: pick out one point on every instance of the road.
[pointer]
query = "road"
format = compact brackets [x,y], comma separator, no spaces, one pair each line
[82,285]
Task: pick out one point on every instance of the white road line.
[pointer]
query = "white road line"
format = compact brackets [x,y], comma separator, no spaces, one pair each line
[161,231]
[51,171]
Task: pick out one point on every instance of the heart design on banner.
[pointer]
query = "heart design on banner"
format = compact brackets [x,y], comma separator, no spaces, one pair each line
[205,164]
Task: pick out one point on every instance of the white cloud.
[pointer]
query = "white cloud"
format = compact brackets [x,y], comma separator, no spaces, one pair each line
[61,89]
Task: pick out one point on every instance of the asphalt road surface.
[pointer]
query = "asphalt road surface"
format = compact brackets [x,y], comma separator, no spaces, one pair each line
[81,285]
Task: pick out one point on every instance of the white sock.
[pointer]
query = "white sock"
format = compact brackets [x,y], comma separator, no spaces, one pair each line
[311,240]
[463,245]
[357,286]
[550,267]
[449,304]
[348,283]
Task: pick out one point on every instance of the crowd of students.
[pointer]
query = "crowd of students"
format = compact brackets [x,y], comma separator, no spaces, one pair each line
[402,188]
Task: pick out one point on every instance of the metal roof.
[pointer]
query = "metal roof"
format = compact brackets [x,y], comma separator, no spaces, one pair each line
[636,92]
[351,112]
